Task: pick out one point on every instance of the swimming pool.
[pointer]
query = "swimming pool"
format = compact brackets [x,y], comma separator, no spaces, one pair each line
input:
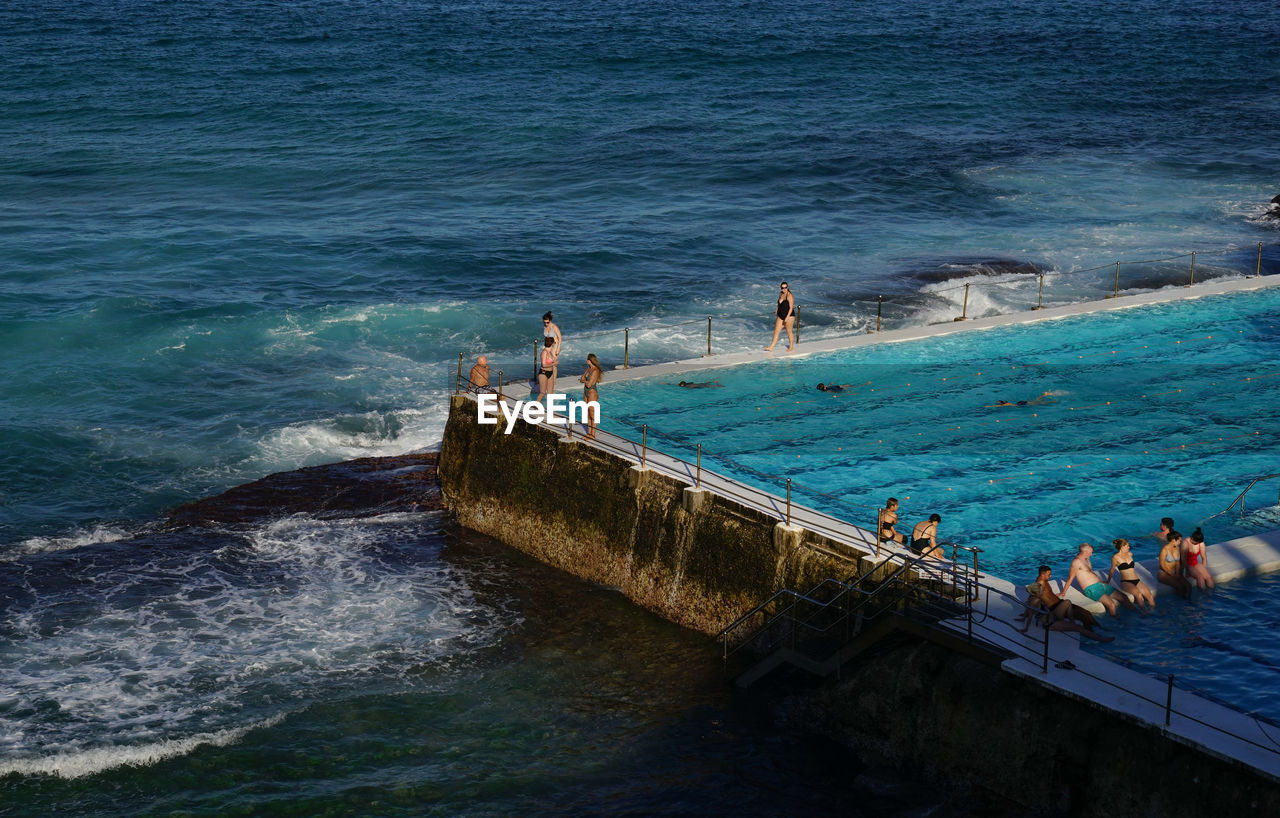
[1164,410]
[1156,411]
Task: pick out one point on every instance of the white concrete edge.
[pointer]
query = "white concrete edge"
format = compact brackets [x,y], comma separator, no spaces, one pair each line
[1167,295]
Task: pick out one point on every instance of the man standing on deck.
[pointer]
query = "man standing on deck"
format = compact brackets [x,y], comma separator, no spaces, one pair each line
[479,376]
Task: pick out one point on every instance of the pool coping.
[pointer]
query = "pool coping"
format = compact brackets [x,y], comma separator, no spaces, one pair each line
[1167,295]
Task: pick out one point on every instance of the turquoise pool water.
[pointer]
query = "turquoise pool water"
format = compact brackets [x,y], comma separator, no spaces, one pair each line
[1154,411]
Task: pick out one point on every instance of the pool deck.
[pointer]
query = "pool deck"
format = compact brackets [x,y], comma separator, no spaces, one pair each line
[806,348]
[1057,661]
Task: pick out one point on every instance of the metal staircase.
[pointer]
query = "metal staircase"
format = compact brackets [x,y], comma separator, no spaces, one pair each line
[822,629]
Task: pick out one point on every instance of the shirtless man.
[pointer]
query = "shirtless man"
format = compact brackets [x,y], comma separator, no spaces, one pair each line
[480,374]
[1058,607]
[834,387]
[1082,572]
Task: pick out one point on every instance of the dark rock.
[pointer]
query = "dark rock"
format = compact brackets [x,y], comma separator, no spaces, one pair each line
[356,488]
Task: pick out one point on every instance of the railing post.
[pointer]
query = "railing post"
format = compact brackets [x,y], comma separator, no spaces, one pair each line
[879,309]
[644,443]
[1193,268]
[1040,297]
[964,312]
[500,385]
[626,347]
[788,501]
[708,336]
[1116,294]
[797,308]
[1044,662]
[697,481]
[457,384]
[1168,702]
[535,362]
[1258,272]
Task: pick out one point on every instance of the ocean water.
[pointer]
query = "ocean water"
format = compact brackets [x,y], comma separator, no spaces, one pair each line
[241,237]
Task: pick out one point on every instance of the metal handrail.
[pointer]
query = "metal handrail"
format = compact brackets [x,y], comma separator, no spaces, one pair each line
[1240,498]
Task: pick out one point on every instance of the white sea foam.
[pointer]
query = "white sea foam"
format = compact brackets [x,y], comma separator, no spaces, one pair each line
[373,434]
[158,651]
[76,539]
[80,763]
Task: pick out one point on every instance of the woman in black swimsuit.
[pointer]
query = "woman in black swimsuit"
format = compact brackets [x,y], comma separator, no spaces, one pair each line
[785,318]
[1130,582]
[924,538]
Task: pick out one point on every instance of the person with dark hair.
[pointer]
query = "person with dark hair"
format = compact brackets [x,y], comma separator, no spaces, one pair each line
[834,388]
[1166,526]
[590,380]
[1170,562]
[701,384]
[1059,612]
[1196,560]
[924,538]
[1130,583]
[549,328]
[886,520]
[547,374]
[785,318]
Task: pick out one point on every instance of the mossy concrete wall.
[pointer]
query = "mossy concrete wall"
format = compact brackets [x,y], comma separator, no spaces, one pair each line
[695,558]
[919,706]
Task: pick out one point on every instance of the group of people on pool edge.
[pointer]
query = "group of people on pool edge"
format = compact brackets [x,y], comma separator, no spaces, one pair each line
[1181,562]
[549,370]
[924,535]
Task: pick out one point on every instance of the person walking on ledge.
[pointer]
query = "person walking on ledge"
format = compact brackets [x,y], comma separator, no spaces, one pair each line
[784,318]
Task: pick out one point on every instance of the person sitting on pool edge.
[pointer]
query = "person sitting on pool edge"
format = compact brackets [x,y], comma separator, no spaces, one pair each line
[1060,612]
[1170,562]
[834,388]
[1092,584]
[887,519]
[924,538]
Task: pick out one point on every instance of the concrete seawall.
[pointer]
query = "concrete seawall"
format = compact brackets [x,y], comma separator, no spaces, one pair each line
[695,558]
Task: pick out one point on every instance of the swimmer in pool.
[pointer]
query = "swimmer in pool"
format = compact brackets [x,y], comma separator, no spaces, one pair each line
[1045,397]
[834,388]
[704,385]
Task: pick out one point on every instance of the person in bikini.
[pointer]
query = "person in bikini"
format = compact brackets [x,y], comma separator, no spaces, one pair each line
[888,518]
[547,374]
[1130,582]
[785,318]
[590,380]
[1170,561]
[1196,560]
[924,538]
[1092,585]
[1060,612]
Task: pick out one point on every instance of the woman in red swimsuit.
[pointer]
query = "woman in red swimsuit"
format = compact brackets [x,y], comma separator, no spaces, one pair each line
[1196,560]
